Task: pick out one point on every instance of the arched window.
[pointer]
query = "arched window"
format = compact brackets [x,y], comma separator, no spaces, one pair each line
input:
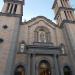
[42,34]
[44,68]
[67,70]
[19,70]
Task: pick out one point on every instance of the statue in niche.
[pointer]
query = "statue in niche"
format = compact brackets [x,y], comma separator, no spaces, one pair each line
[42,36]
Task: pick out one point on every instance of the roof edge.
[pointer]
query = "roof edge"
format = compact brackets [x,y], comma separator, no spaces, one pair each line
[54,4]
[34,18]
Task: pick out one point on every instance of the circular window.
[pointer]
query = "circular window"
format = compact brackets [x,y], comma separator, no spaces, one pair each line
[5,26]
[1,40]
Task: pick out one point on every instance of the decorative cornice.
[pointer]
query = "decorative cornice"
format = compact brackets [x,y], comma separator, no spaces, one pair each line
[11,15]
[43,43]
[63,8]
[66,21]
[43,47]
[37,49]
[42,17]
[15,1]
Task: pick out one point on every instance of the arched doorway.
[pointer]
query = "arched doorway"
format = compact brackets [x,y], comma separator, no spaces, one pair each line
[19,70]
[67,70]
[44,68]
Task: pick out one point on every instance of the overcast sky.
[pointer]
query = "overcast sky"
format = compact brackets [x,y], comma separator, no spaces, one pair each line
[33,8]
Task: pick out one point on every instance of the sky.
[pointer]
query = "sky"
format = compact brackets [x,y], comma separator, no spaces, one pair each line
[33,8]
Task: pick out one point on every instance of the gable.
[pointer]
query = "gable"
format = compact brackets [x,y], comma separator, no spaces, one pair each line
[39,19]
[41,25]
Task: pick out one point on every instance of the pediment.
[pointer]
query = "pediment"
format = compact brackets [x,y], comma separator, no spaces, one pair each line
[40,20]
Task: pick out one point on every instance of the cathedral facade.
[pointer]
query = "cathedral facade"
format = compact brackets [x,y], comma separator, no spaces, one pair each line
[38,46]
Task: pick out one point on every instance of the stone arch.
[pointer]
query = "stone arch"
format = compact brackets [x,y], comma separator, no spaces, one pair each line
[46,59]
[67,70]
[19,70]
[41,27]
[45,34]
[44,68]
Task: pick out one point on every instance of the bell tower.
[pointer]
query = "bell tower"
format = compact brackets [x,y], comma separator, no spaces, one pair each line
[63,11]
[10,19]
[13,7]
[65,17]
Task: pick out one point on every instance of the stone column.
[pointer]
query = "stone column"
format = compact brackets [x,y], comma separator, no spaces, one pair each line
[33,65]
[9,8]
[56,65]
[13,9]
[60,67]
[4,7]
[18,11]
[37,69]
[28,69]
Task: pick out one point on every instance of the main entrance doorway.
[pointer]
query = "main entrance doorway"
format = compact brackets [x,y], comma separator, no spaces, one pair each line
[44,68]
